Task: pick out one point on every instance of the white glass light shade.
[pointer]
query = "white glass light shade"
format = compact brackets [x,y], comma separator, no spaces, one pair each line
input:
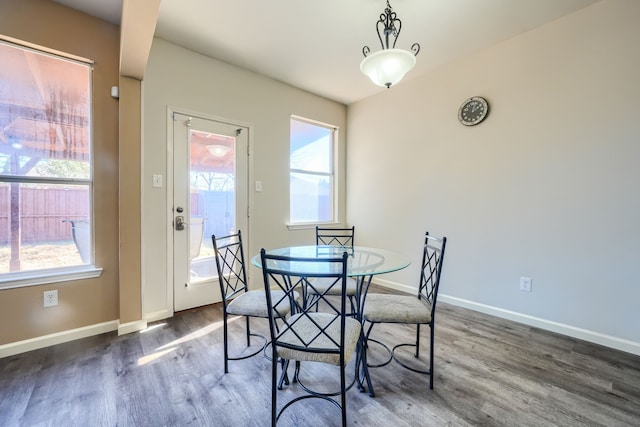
[387,67]
[218,150]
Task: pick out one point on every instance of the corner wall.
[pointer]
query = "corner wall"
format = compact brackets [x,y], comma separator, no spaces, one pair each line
[82,303]
[195,84]
[546,187]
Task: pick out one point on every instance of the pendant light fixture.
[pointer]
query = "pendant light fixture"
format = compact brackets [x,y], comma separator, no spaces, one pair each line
[218,150]
[388,66]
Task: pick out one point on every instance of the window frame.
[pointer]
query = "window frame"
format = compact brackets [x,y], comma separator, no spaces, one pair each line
[87,270]
[333,176]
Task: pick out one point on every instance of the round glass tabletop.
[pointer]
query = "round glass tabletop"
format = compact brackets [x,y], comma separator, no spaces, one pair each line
[362,261]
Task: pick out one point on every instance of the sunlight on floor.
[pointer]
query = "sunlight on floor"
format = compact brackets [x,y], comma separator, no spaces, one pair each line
[193,335]
[172,346]
[155,356]
[151,328]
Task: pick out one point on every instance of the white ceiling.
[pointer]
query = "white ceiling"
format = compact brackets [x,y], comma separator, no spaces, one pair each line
[317,45]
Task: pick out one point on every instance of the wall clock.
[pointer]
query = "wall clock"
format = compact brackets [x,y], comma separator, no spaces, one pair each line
[473,111]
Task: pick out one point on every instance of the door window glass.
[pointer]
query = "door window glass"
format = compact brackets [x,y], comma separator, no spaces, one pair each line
[212,196]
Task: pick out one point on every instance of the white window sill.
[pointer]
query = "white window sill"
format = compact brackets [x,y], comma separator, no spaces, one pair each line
[19,280]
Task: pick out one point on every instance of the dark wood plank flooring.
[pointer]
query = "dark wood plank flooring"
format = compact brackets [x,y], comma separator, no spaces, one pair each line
[489,372]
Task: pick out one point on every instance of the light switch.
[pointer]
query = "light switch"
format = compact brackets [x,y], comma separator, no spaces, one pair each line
[258,185]
[157,181]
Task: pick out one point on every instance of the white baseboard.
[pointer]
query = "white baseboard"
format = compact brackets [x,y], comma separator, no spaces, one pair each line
[129,327]
[548,325]
[57,338]
[158,315]
[65,336]
[396,286]
[100,328]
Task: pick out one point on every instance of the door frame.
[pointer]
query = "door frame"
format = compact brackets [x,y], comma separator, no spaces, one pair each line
[247,241]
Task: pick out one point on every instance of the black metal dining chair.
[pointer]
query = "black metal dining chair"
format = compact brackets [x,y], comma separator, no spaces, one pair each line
[334,236]
[328,337]
[417,309]
[237,299]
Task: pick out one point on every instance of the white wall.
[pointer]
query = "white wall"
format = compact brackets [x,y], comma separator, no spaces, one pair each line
[183,80]
[546,187]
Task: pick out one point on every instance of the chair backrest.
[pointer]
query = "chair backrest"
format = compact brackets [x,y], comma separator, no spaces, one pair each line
[335,236]
[432,259]
[291,275]
[229,256]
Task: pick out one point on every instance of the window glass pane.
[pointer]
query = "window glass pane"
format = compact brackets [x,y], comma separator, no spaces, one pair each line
[46,168]
[311,147]
[43,226]
[45,161]
[311,160]
[44,113]
[311,198]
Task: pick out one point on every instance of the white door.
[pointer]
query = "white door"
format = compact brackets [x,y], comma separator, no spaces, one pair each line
[210,197]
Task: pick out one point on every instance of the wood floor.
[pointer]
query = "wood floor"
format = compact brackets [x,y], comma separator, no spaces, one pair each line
[489,372]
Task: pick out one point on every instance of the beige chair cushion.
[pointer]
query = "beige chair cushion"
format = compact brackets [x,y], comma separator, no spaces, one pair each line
[306,331]
[383,308]
[254,303]
[322,283]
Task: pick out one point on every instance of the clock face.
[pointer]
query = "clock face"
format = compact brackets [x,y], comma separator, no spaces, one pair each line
[473,111]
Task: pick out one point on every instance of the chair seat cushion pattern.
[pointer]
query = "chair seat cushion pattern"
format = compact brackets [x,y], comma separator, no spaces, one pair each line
[306,331]
[320,285]
[384,308]
[254,303]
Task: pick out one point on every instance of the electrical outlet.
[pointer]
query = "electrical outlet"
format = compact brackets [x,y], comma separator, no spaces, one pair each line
[525,284]
[51,298]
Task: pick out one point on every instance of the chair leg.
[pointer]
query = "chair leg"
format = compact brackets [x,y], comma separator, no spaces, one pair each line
[431,357]
[225,343]
[296,371]
[248,330]
[361,361]
[417,354]
[343,395]
[274,394]
[284,378]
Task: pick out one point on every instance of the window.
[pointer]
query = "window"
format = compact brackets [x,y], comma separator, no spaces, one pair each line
[311,170]
[45,163]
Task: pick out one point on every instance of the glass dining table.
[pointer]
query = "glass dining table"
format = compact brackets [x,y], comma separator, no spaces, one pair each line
[362,264]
